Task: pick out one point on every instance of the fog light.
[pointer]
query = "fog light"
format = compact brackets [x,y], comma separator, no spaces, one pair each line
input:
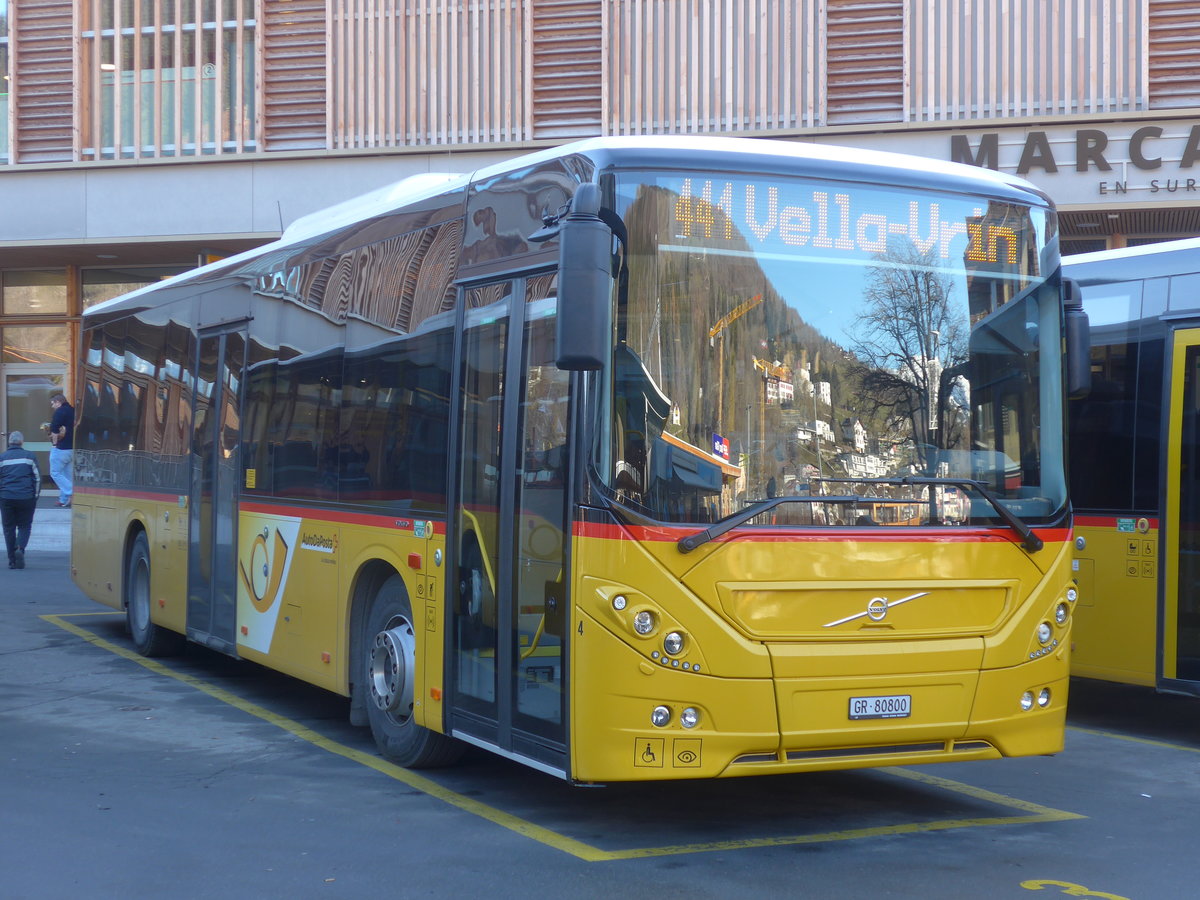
[643,622]
[689,718]
[661,716]
[1072,594]
[619,602]
[1062,612]
[673,642]
[1027,700]
[1044,697]
[1044,633]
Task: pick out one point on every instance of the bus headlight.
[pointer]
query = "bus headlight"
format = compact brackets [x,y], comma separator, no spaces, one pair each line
[1062,612]
[660,716]
[690,717]
[673,643]
[619,602]
[1044,697]
[643,622]
[1027,701]
[1072,594]
[1044,633]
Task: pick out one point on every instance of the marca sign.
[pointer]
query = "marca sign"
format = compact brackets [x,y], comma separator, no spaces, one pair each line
[1154,160]
[1109,163]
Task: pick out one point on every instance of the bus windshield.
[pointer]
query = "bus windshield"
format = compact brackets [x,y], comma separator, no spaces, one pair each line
[877,347]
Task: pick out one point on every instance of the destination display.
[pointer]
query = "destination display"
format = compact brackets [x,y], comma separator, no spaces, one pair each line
[857,222]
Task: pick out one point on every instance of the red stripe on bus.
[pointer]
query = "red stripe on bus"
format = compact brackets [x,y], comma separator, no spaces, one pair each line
[1110,521]
[377,520]
[154,496]
[877,534]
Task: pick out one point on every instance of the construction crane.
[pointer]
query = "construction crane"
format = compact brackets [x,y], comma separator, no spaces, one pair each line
[718,330]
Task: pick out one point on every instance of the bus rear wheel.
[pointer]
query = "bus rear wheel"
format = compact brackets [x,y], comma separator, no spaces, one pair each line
[388,666]
[148,639]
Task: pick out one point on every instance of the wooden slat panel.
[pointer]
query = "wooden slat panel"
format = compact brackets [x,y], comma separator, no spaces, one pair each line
[566,68]
[1000,58]
[427,72]
[1174,58]
[156,79]
[41,51]
[295,95]
[697,66]
[864,64]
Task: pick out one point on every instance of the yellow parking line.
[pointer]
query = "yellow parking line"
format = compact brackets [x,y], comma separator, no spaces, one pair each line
[1033,812]
[1166,745]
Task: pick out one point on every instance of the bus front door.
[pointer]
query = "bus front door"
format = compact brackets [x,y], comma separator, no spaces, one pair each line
[212,506]
[507,591]
[1180,600]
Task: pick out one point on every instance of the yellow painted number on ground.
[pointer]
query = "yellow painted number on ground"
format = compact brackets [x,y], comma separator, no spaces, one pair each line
[1071,890]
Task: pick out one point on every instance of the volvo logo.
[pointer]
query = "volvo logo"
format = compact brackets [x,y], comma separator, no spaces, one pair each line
[877,609]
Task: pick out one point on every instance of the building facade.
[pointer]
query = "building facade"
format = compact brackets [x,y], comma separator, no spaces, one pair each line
[142,137]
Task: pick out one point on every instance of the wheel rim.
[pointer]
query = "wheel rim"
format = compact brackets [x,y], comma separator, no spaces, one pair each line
[393,659]
[139,594]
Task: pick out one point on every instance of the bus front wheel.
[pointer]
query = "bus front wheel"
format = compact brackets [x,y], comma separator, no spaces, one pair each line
[148,639]
[389,669]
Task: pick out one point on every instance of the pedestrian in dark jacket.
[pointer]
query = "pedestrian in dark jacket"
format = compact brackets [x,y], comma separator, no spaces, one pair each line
[19,483]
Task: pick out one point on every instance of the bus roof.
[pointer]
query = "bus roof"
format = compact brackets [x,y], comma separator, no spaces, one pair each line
[1135,263]
[850,160]
[821,160]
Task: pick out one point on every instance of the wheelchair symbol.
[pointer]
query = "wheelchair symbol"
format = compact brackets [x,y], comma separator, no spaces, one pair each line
[648,753]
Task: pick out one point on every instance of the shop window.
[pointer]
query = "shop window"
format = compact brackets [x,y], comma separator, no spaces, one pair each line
[42,344]
[158,85]
[104,284]
[34,293]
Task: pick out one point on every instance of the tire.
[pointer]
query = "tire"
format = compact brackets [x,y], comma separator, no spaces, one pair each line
[387,665]
[148,639]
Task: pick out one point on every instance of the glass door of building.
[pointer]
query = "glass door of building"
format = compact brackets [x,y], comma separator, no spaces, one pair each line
[27,393]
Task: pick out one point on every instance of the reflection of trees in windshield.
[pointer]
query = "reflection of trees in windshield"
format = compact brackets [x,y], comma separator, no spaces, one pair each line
[724,395]
[739,370]
[910,341]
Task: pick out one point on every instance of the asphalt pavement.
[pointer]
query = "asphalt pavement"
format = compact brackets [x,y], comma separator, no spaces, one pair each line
[51,527]
[203,776]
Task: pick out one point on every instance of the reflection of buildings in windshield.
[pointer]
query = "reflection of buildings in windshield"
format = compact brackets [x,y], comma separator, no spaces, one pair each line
[745,371]
[653,468]
[747,376]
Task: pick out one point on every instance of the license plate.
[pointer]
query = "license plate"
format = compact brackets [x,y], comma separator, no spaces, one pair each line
[895,706]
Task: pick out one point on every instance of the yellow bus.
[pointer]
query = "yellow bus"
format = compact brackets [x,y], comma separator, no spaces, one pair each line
[549,459]
[1134,468]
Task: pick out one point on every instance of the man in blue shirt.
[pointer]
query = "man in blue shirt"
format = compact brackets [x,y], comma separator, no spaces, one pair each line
[19,482]
[62,435]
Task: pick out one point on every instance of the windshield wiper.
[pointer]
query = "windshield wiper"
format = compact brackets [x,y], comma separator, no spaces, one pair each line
[1029,540]
[692,541]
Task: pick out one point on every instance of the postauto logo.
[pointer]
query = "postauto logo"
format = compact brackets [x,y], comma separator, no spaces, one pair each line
[321,543]
[263,577]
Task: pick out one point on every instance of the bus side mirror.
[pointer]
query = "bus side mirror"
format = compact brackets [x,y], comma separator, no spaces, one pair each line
[1079,342]
[585,284]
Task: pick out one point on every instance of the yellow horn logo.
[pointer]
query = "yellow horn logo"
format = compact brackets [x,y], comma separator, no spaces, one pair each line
[266,571]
